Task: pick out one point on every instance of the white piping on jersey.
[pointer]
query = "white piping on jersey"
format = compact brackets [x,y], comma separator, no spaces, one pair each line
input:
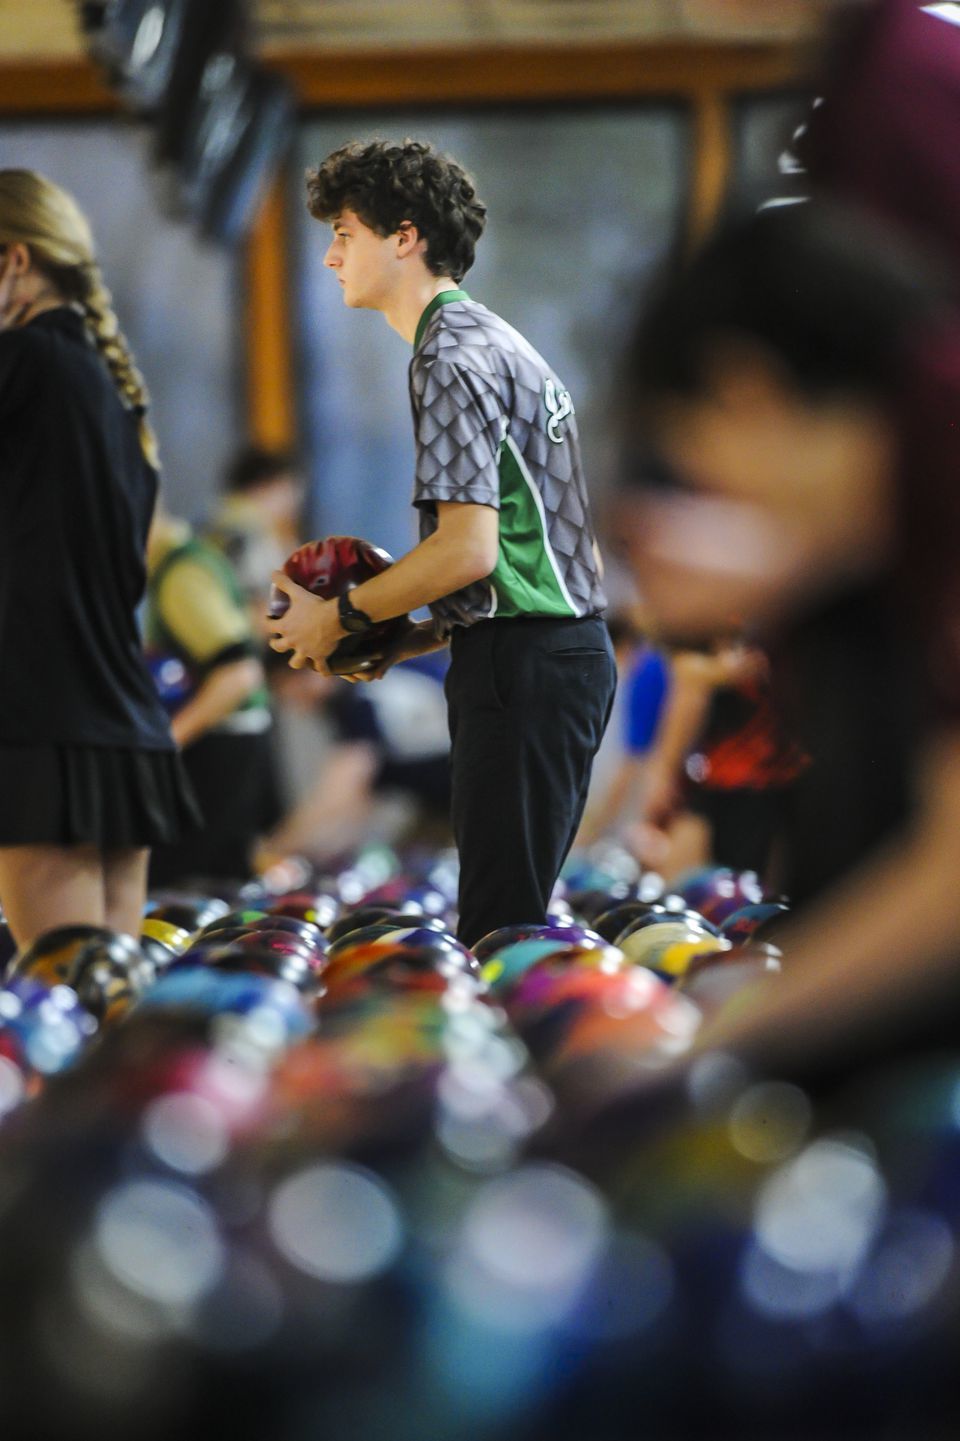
[538,501]
[494,602]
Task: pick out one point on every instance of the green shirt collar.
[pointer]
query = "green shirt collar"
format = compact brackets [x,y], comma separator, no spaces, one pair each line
[446,297]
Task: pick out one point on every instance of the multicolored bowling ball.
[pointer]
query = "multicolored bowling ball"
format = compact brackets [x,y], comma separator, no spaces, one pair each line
[110,975]
[173,938]
[232,921]
[43,1029]
[308,932]
[713,982]
[328,568]
[318,907]
[210,991]
[339,951]
[358,952]
[671,959]
[645,944]
[285,943]
[613,922]
[506,936]
[659,916]
[634,1022]
[256,957]
[191,912]
[504,969]
[592,902]
[361,917]
[54,957]
[760,922]
[376,968]
[717,891]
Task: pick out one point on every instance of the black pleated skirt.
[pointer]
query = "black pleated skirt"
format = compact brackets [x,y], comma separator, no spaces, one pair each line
[93,795]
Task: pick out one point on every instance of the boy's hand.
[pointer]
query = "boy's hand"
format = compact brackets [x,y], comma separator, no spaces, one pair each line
[309,627]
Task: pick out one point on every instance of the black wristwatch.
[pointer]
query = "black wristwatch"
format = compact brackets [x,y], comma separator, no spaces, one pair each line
[354,621]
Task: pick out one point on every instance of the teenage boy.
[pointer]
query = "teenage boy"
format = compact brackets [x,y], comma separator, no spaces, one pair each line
[507,560]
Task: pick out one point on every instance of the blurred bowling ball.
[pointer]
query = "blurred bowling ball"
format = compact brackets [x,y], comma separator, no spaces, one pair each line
[173,680]
[157,953]
[255,957]
[592,902]
[360,949]
[328,568]
[759,922]
[232,921]
[340,949]
[717,891]
[54,957]
[671,958]
[211,992]
[42,1029]
[189,911]
[284,943]
[171,937]
[384,968]
[110,975]
[506,936]
[611,923]
[658,915]
[318,907]
[306,932]
[503,970]
[362,916]
[643,946]
[714,982]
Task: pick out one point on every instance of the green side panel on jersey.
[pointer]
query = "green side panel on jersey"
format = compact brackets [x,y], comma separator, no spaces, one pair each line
[524,578]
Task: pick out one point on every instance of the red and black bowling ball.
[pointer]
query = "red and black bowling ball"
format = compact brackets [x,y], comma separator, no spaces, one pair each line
[328,568]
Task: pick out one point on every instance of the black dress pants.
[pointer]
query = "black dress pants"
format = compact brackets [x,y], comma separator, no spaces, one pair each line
[528,703]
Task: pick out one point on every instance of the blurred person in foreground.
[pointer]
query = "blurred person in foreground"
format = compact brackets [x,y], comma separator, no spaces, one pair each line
[196,614]
[803,383]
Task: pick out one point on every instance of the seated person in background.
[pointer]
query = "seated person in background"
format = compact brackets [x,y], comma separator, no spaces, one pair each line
[195,613]
[723,757]
[256,523]
[390,739]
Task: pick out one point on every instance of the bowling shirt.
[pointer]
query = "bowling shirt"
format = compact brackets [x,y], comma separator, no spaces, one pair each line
[76,497]
[495,426]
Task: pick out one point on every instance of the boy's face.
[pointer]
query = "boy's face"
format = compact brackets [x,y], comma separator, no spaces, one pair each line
[365,263]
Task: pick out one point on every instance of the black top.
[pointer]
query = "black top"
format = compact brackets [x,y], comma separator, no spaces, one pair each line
[76,498]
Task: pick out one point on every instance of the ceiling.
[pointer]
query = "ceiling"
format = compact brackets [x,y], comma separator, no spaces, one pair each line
[38,29]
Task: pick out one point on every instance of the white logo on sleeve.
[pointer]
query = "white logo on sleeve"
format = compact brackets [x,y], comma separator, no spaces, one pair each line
[559,405]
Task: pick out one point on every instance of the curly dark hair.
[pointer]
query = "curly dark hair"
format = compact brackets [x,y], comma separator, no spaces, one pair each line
[386,185]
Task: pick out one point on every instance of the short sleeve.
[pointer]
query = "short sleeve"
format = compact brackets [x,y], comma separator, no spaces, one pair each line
[459,426]
[200,615]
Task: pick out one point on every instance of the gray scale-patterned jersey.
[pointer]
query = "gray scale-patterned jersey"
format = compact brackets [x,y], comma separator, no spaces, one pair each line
[494,426]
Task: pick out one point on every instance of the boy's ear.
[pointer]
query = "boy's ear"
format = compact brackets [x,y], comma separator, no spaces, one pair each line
[408,238]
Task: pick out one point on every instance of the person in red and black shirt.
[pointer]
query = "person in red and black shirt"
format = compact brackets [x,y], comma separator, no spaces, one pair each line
[724,754]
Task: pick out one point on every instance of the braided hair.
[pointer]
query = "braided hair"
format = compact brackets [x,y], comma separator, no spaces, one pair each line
[37,213]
